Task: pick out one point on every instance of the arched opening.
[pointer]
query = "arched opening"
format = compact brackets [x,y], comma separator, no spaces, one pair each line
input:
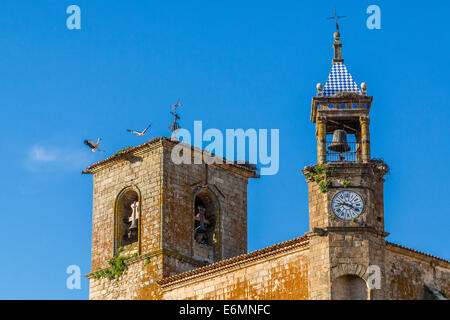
[204,219]
[127,213]
[205,225]
[349,287]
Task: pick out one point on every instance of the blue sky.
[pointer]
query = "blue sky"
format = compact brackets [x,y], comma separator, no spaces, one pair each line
[234,65]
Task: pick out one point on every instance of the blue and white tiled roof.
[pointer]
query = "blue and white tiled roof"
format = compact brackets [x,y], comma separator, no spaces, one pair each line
[340,80]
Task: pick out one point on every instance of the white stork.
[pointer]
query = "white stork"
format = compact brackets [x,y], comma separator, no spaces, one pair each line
[92,145]
[140,133]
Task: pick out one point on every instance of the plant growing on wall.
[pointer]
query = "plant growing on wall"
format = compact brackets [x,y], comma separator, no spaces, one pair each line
[319,174]
[346,183]
[117,266]
[323,186]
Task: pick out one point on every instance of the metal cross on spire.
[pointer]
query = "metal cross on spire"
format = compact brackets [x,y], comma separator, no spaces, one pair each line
[336,19]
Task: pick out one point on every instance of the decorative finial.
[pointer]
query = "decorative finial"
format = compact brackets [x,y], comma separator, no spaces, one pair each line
[174,126]
[319,88]
[364,87]
[337,45]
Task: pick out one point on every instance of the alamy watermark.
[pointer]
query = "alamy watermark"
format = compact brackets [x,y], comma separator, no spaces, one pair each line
[74,280]
[237,143]
[374,20]
[374,278]
[74,20]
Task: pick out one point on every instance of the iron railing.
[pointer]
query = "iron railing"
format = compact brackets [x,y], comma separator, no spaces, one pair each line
[350,156]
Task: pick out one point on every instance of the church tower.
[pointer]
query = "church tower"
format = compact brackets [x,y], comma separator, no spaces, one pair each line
[346,214]
[154,218]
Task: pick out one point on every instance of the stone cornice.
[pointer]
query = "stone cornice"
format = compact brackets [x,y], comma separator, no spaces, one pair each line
[155,253]
[375,167]
[356,229]
[341,98]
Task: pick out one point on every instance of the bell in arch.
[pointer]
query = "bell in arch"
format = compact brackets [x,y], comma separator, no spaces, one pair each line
[132,230]
[339,143]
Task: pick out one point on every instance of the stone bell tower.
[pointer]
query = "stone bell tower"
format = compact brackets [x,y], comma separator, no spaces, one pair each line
[346,214]
[154,218]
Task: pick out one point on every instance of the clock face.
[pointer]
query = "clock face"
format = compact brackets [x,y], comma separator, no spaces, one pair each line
[347,205]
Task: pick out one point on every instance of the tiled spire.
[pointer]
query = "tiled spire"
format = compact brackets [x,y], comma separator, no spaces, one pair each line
[339,79]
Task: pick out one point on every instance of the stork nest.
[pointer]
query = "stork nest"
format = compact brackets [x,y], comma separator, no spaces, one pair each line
[380,166]
[121,151]
[346,95]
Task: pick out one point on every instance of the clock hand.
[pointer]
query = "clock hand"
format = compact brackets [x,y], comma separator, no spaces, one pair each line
[351,206]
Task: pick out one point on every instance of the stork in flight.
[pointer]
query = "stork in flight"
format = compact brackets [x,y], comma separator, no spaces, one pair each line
[92,145]
[141,133]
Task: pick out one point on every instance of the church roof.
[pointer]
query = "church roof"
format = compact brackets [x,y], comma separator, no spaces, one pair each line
[340,80]
[236,261]
[251,169]
[416,252]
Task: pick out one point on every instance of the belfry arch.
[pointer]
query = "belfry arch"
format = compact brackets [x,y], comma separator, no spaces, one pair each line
[127,221]
[206,237]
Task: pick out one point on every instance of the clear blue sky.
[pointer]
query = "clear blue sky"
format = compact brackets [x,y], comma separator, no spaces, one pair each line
[234,65]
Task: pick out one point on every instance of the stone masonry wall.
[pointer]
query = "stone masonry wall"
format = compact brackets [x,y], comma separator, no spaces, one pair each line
[139,282]
[347,246]
[166,234]
[229,189]
[141,171]
[407,272]
[283,276]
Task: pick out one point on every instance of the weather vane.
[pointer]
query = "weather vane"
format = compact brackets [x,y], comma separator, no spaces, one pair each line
[174,126]
[336,19]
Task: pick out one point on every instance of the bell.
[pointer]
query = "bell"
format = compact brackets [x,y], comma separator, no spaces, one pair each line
[132,230]
[201,228]
[339,142]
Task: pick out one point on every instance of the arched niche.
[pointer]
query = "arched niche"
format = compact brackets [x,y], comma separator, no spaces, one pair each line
[127,222]
[349,287]
[206,220]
